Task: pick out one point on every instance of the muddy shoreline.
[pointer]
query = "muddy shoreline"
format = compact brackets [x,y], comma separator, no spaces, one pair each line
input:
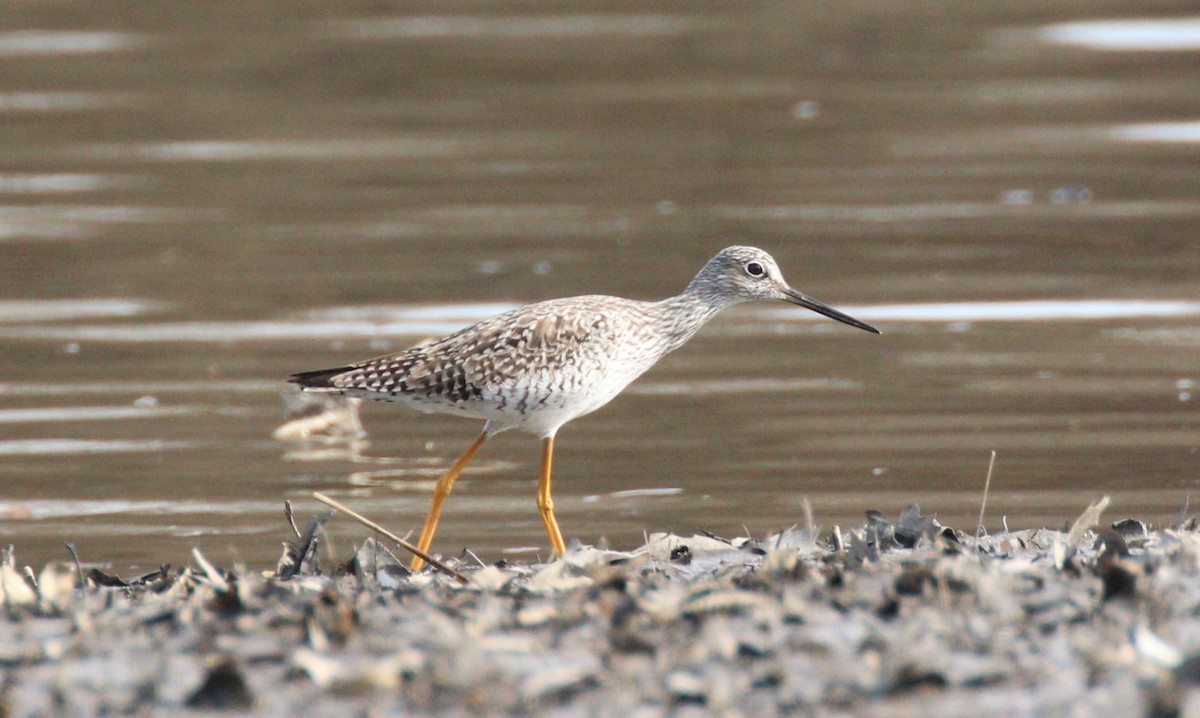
[899,616]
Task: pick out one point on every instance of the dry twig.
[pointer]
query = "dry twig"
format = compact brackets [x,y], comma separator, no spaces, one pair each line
[987,486]
[404,544]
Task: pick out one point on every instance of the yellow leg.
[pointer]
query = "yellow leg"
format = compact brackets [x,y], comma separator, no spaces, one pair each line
[440,494]
[545,502]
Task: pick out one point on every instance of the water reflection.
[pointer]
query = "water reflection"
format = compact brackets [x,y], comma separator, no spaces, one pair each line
[1129,35]
[61,182]
[888,214]
[73,509]
[340,150]
[26,311]
[61,447]
[51,101]
[549,27]
[1159,132]
[1031,310]
[637,493]
[121,389]
[94,413]
[741,387]
[378,321]
[67,42]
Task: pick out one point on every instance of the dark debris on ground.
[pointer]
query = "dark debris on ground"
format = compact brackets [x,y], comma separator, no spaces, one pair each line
[899,617]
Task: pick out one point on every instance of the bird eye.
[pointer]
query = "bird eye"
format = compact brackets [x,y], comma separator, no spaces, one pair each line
[754,269]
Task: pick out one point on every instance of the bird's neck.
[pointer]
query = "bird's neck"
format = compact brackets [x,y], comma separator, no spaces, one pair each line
[681,316]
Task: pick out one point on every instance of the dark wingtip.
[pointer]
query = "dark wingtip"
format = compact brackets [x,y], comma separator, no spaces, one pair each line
[319,379]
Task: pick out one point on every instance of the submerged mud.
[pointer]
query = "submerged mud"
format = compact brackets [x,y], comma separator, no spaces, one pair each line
[896,617]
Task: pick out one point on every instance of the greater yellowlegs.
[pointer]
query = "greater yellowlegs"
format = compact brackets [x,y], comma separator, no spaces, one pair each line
[537,367]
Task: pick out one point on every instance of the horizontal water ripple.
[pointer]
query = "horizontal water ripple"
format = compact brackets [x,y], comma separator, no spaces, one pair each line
[1032,310]
[55,101]
[93,413]
[50,509]
[530,27]
[228,331]
[1159,132]
[104,214]
[463,312]
[635,493]
[1128,35]
[959,210]
[739,386]
[63,182]
[140,388]
[67,42]
[46,310]
[438,320]
[307,149]
[68,447]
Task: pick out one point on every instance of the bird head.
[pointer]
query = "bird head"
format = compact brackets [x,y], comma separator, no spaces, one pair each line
[742,274]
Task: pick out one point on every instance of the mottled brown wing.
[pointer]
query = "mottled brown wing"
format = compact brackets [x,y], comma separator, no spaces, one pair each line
[506,353]
[495,356]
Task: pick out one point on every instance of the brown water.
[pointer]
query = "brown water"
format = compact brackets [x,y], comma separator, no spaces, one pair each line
[197,201]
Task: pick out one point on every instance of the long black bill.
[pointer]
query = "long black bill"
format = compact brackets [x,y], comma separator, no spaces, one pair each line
[820,308]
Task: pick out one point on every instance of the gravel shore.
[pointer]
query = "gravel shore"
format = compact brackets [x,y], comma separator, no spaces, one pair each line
[897,617]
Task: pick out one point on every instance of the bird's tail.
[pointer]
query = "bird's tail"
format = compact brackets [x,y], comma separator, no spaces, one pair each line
[318,380]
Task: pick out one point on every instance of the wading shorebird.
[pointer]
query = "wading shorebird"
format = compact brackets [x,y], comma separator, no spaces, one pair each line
[539,366]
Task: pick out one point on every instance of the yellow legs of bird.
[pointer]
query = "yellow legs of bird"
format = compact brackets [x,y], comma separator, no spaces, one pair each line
[440,494]
[545,502]
[446,484]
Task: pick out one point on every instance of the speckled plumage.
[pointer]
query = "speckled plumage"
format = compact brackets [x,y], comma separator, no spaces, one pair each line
[534,368]
[541,365]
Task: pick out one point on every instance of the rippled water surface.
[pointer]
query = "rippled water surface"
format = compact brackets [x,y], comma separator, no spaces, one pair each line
[198,199]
